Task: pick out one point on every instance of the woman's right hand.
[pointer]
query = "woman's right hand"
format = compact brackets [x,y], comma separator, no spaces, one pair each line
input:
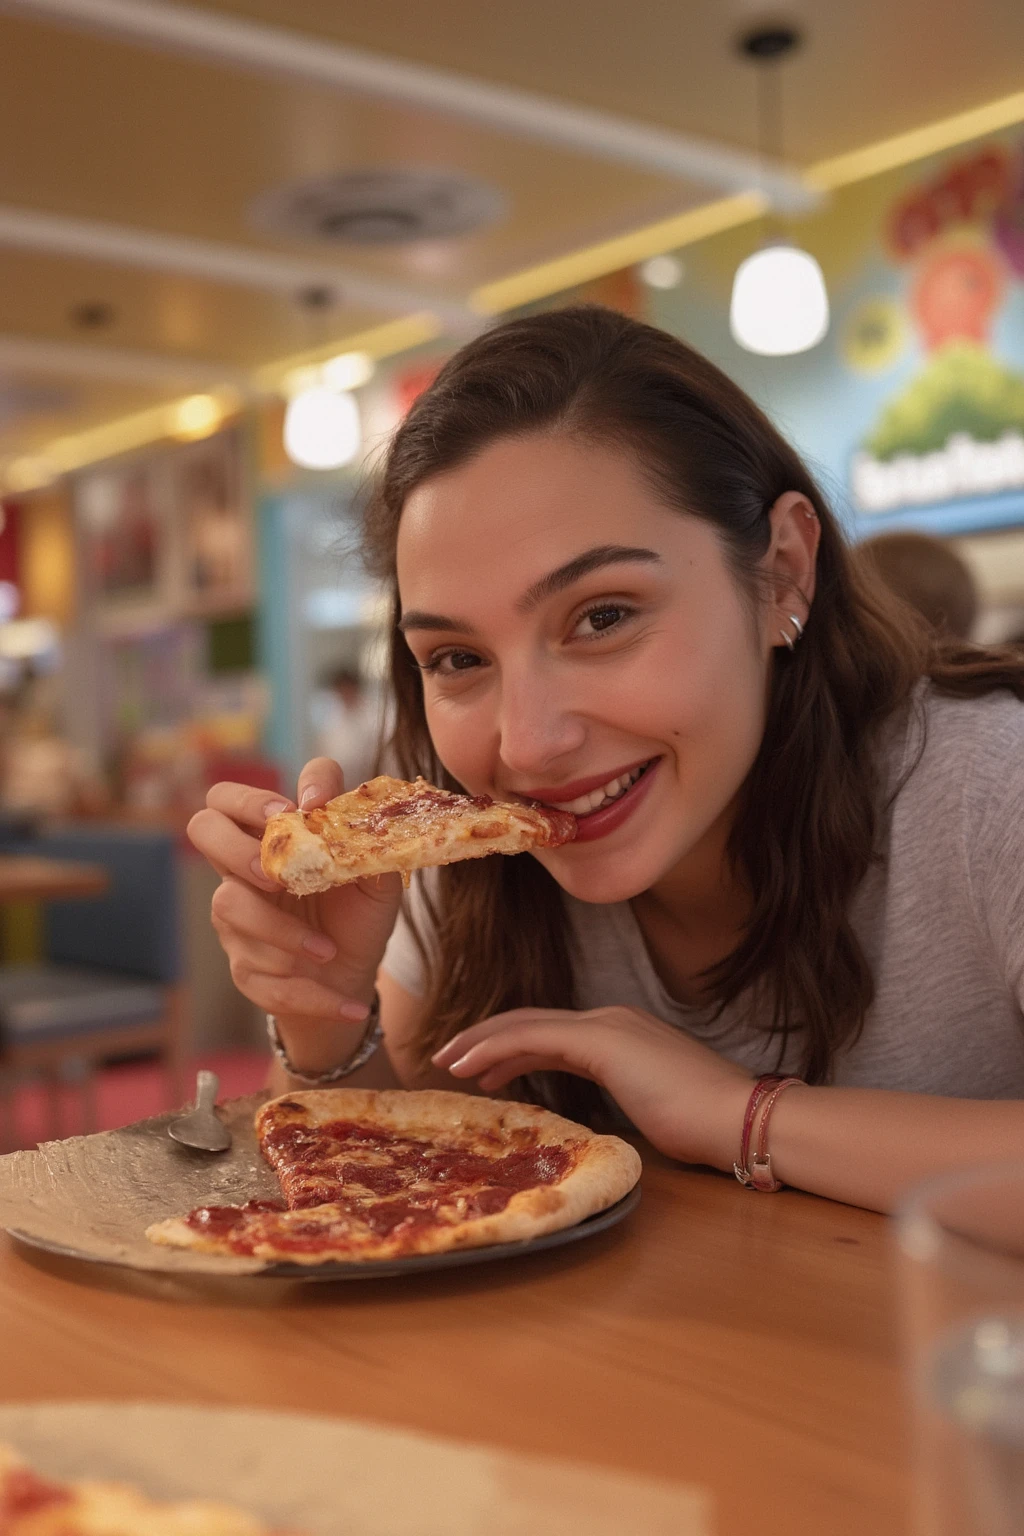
[304,959]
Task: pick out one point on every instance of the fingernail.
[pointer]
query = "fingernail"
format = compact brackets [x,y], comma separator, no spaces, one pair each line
[258,870]
[320,945]
[311,792]
[357,1012]
[274,808]
[455,1065]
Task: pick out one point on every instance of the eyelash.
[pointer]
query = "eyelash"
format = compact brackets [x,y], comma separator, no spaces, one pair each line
[436,661]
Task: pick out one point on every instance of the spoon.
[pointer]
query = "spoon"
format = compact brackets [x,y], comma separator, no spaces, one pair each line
[201,1127]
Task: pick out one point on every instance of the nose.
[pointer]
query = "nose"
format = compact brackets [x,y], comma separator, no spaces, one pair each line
[539,723]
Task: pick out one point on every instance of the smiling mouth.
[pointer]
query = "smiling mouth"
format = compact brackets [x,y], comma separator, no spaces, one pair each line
[606,795]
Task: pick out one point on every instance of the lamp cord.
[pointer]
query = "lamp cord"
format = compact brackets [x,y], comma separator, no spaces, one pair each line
[769,134]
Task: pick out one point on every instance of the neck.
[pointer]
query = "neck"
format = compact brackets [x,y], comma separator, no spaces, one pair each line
[704,890]
[693,917]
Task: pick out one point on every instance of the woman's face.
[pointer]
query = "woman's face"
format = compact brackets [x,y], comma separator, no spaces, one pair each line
[584,646]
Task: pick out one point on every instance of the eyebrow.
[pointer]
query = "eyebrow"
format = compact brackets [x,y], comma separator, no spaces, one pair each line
[555,581]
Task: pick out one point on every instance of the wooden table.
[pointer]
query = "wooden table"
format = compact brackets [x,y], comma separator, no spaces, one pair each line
[32,877]
[741,1341]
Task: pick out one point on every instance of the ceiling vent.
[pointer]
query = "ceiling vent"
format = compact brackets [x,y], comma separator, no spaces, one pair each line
[378,207]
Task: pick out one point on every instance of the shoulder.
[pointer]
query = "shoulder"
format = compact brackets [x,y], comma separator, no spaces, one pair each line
[953,744]
[956,775]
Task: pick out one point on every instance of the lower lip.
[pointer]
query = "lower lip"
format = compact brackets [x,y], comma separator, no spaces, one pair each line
[600,823]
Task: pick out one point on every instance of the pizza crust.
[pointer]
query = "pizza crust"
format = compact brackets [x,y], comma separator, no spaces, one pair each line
[604,1170]
[359,834]
[89,1508]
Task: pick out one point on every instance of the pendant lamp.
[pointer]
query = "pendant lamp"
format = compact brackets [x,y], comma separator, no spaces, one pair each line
[779,300]
[322,429]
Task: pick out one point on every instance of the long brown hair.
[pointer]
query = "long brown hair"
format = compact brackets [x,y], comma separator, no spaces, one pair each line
[809,822]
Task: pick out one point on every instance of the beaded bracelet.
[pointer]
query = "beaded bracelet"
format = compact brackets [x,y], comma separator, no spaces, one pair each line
[757,1174]
[372,1035]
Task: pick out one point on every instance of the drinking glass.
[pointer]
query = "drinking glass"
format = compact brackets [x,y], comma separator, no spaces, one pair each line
[961,1243]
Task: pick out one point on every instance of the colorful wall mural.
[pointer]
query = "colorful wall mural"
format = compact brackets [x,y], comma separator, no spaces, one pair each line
[912,408]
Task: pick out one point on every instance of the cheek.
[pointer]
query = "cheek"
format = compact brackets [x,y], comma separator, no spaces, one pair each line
[713,703]
[708,681]
[462,740]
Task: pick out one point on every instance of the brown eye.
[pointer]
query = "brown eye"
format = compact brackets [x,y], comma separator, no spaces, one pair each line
[444,663]
[604,618]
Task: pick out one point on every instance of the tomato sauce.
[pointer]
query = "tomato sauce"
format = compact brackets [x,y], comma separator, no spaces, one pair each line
[329,1171]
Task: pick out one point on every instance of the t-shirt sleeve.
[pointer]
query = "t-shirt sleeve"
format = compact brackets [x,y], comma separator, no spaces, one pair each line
[993,827]
[402,959]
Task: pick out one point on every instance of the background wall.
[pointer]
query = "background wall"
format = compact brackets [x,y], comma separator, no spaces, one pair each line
[925,271]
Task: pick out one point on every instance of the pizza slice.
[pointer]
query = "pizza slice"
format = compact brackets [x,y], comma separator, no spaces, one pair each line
[382,1174]
[389,825]
[31,1505]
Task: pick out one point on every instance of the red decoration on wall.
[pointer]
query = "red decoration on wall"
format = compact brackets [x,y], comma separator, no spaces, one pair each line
[10,551]
[955,296]
[411,383]
[966,192]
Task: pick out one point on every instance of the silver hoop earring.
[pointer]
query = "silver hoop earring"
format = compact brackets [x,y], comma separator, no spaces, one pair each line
[792,639]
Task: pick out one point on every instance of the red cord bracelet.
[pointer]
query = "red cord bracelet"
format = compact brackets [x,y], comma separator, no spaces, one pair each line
[757,1174]
[757,1093]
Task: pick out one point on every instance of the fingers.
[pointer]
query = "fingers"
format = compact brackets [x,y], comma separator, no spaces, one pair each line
[295,996]
[230,850]
[519,1066]
[319,781]
[269,952]
[461,1043]
[218,831]
[553,1046]
[237,910]
[251,807]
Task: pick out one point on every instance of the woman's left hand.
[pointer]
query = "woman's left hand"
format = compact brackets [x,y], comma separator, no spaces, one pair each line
[687,1100]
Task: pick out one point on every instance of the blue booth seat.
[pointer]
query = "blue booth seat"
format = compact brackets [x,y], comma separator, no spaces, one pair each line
[110,983]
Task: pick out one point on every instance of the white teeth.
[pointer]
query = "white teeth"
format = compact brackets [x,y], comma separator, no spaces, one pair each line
[585,804]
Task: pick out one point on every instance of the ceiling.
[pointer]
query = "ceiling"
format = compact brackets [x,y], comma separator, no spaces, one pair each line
[144,157]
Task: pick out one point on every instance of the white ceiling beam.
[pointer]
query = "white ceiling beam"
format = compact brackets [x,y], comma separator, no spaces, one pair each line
[31,230]
[240,43]
[33,355]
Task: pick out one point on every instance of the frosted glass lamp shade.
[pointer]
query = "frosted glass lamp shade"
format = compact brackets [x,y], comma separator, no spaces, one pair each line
[779,302]
[321,429]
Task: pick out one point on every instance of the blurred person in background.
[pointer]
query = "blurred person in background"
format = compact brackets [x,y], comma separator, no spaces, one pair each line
[348,724]
[926,573]
[40,772]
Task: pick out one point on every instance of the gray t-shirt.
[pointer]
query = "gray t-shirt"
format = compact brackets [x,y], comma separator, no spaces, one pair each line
[940,919]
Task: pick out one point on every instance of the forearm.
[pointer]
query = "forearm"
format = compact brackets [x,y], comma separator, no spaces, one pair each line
[868,1147]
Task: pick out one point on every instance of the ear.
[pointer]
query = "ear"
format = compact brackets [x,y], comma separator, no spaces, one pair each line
[790,564]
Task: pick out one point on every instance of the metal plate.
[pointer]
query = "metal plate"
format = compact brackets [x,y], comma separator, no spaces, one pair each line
[91,1198]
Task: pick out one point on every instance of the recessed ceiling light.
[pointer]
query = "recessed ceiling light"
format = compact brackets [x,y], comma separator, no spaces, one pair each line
[384,207]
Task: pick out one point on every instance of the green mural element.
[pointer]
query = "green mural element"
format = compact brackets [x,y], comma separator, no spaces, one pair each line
[961,389]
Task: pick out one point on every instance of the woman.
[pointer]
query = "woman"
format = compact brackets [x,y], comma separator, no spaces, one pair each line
[801,846]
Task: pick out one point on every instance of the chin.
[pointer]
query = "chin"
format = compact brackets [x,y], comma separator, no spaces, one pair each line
[601,882]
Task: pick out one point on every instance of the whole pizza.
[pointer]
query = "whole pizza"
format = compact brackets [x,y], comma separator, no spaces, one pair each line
[383,1174]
